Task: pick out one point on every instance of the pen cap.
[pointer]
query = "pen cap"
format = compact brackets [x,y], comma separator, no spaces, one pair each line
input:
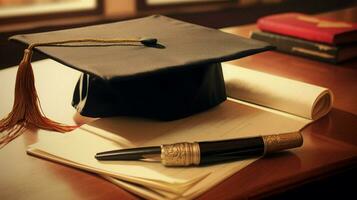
[279,142]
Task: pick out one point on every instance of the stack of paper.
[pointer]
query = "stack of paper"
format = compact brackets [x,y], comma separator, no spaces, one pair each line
[263,109]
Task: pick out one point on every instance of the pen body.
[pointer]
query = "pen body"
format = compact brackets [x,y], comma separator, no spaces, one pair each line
[229,150]
[208,152]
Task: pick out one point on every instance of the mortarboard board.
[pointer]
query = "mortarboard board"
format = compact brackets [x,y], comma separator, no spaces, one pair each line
[155,67]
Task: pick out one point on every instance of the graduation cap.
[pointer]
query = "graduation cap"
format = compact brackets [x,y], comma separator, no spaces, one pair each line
[155,67]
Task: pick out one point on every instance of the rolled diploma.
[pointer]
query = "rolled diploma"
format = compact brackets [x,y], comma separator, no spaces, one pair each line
[291,96]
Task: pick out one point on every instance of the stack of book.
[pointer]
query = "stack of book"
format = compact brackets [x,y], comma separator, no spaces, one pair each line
[309,36]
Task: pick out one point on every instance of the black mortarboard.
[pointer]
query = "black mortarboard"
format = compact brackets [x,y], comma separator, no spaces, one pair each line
[155,67]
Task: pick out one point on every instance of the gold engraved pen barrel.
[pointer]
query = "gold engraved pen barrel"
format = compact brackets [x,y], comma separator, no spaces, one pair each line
[180,154]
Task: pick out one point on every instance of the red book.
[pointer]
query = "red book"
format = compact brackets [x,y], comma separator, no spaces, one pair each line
[310,28]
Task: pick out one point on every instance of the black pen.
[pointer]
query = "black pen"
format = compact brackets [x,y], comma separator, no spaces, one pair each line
[209,152]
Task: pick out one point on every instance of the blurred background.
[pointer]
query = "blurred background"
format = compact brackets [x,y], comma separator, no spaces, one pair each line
[29,16]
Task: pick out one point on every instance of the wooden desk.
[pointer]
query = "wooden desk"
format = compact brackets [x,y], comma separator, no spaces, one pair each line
[330,144]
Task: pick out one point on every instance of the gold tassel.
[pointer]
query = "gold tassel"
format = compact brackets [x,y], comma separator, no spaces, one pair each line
[26,111]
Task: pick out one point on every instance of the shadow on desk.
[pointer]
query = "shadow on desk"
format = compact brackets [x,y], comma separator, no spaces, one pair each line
[333,127]
[340,185]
